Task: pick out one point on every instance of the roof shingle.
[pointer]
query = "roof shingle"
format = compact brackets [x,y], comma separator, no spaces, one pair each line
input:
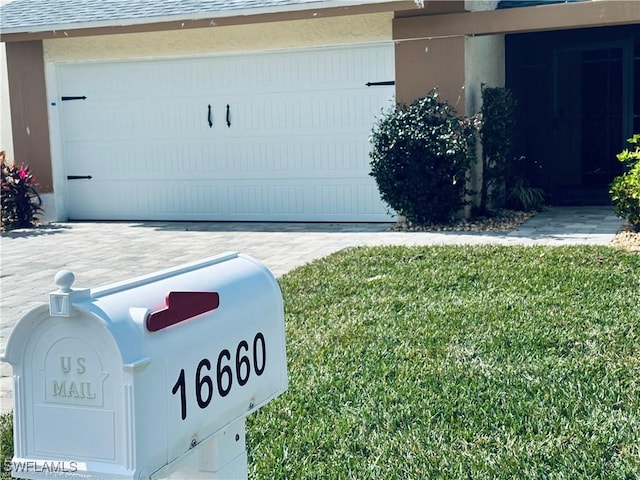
[33,15]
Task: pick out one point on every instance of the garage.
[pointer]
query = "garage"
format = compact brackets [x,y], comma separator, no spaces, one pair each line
[277,136]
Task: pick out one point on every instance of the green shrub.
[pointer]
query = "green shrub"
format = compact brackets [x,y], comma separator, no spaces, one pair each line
[20,200]
[497,135]
[6,444]
[625,189]
[420,159]
[522,196]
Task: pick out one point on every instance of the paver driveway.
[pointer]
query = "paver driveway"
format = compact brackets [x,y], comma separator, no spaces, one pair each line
[102,253]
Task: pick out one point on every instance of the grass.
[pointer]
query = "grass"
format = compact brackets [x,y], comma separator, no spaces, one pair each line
[453,363]
[458,362]
[6,445]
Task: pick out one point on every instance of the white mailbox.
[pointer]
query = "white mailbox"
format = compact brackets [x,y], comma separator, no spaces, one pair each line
[130,380]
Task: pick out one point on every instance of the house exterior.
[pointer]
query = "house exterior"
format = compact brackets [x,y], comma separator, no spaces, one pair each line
[261,109]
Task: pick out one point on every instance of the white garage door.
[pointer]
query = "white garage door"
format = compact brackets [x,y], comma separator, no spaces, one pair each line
[278,136]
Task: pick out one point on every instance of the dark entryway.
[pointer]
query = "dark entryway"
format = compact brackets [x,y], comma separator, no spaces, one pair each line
[576,107]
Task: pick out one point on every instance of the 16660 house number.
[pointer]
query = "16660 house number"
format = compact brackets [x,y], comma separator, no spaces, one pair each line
[249,359]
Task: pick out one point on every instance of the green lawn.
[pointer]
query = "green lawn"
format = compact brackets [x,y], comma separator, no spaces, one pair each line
[458,362]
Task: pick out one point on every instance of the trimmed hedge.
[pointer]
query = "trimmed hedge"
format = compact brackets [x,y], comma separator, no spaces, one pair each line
[420,159]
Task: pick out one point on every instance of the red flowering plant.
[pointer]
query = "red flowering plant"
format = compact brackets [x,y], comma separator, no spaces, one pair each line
[20,200]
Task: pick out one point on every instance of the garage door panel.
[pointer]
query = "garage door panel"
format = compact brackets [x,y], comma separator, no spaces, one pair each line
[311,71]
[250,116]
[285,198]
[246,202]
[308,157]
[335,199]
[102,200]
[298,114]
[94,120]
[154,199]
[362,197]
[148,79]
[271,73]
[199,200]
[297,147]
[132,161]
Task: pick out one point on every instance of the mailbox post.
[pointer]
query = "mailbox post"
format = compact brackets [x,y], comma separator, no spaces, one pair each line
[149,378]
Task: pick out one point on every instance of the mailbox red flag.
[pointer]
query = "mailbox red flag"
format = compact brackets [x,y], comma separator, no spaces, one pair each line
[182,306]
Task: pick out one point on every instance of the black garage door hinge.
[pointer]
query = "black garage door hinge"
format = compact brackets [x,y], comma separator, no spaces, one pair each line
[377,84]
[64,99]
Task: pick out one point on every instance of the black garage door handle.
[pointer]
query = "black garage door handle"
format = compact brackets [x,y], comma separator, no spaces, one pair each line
[228,117]
[209,119]
[79,177]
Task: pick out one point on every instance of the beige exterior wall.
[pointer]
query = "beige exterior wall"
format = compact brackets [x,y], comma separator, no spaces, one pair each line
[484,63]
[29,123]
[483,60]
[6,139]
[253,37]
[422,65]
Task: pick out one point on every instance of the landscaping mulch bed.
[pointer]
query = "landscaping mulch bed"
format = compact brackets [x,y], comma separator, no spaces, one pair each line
[507,220]
[627,239]
[501,221]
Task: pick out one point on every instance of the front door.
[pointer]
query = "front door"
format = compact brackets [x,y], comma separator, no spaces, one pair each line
[590,93]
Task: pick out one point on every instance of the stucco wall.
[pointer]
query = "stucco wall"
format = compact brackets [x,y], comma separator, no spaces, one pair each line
[29,110]
[425,64]
[484,62]
[255,37]
[6,140]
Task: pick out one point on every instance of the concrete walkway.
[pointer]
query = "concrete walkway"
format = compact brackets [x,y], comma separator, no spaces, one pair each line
[100,253]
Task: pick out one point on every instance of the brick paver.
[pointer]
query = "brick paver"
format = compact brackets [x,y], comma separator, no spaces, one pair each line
[102,253]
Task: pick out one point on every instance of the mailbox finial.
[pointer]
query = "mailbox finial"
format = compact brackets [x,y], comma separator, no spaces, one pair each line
[64,279]
[60,300]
